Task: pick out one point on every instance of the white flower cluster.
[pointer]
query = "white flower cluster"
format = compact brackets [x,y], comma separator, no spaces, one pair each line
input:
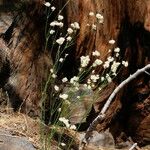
[54,75]
[53,8]
[110,59]
[112,42]
[99,17]
[117,50]
[56,88]
[60,41]
[60,17]
[61,60]
[125,63]
[94,27]
[67,124]
[94,78]
[75,25]
[47,4]
[91,13]
[84,60]
[96,53]
[114,67]
[56,23]
[70,30]
[63,96]
[74,80]
[64,80]
[97,62]
[69,38]
[62,144]
[109,79]
[106,64]
[51,32]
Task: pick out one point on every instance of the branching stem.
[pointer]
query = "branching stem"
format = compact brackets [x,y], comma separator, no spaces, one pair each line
[101,116]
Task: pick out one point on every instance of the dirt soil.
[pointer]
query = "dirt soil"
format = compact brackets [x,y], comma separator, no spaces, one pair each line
[20,128]
[20,125]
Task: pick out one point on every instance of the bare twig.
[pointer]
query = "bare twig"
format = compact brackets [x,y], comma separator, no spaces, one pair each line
[133,146]
[147,72]
[101,116]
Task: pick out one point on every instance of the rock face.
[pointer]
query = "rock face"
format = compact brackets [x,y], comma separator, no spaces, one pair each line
[10,142]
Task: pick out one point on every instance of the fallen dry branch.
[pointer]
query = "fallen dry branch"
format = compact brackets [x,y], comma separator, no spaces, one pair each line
[101,116]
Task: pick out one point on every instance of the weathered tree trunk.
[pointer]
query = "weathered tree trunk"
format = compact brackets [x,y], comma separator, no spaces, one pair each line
[126,21]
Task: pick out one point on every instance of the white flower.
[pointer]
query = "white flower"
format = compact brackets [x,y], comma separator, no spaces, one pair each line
[60,17]
[75,25]
[109,50]
[89,87]
[96,53]
[51,70]
[93,26]
[115,66]
[112,41]
[53,8]
[70,30]
[102,78]
[100,18]
[63,96]
[85,85]
[77,87]
[117,54]
[54,75]
[69,38]
[110,59]
[94,78]
[64,80]
[106,64]
[56,88]
[101,21]
[99,88]
[117,50]
[47,4]
[66,55]
[59,109]
[52,24]
[93,71]
[84,60]
[73,127]
[62,144]
[91,13]
[61,60]
[78,97]
[89,81]
[65,121]
[59,24]
[74,79]
[97,63]
[92,85]
[125,63]
[109,79]
[60,41]
[52,31]
[56,23]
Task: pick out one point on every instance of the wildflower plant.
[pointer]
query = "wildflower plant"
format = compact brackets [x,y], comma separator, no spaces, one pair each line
[71,99]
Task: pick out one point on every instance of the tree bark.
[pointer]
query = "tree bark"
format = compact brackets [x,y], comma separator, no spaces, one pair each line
[125,21]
